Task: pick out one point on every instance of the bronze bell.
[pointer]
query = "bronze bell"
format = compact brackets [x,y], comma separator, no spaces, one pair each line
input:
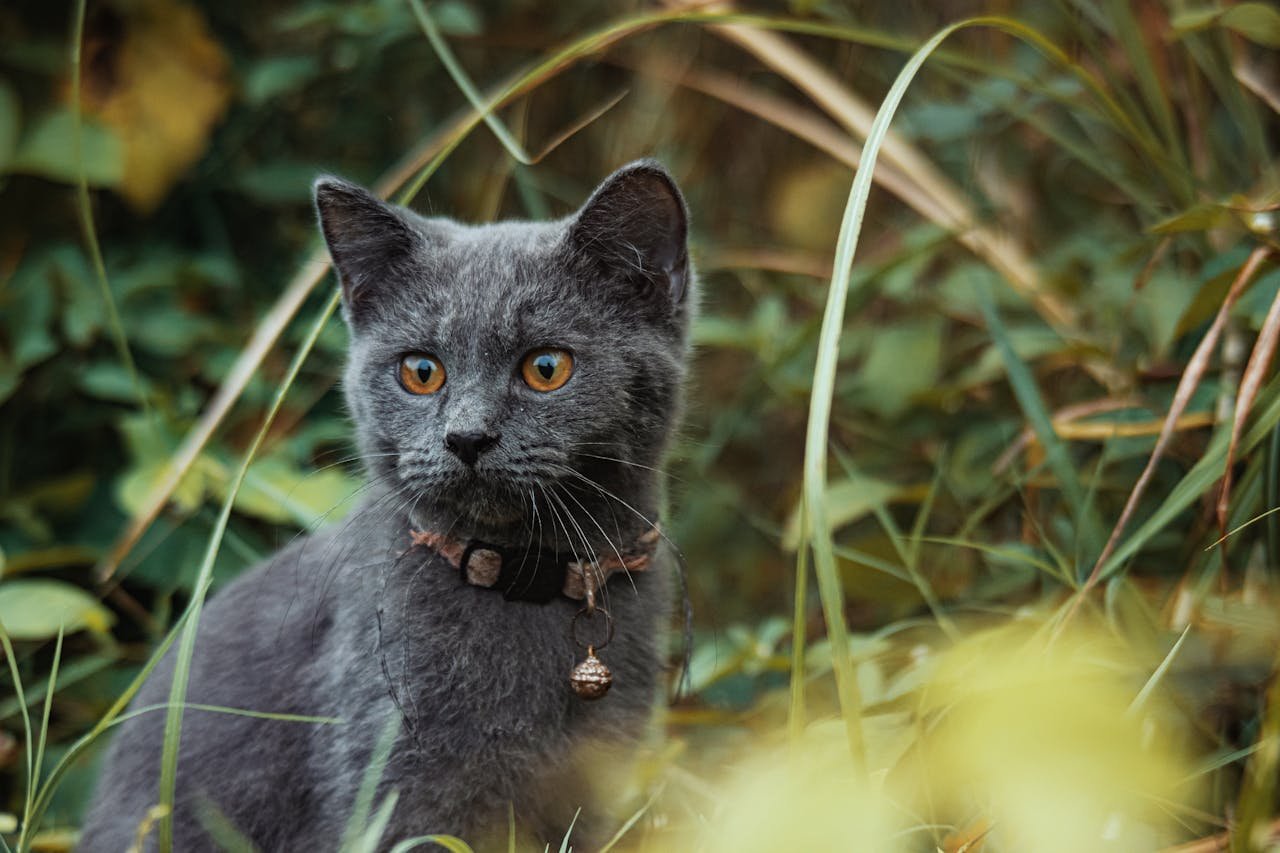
[591,679]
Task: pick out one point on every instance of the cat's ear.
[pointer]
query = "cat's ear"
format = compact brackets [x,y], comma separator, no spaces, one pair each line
[635,225]
[368,238]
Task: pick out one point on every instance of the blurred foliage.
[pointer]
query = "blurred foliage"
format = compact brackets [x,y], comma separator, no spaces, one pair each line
[959,398]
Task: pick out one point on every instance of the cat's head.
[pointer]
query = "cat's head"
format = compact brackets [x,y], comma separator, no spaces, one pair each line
[494,366]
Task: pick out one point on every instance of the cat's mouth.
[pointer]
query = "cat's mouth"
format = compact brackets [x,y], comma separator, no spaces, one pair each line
[476,494]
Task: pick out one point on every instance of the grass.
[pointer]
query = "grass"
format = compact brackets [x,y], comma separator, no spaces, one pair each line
[918,669]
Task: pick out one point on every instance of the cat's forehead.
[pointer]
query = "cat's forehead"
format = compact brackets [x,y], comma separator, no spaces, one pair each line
[509,277]
[491,248]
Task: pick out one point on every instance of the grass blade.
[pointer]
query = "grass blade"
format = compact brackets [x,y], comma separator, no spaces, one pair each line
[631,821]
[28,807]
[799,622]
[1254,373]
[44,721]
[369,784]
[1033,407]
[451,64]
[824,377]
[186,648]
[368,841]
[1150,686]
[85,211]
[449,842]
[1257,793]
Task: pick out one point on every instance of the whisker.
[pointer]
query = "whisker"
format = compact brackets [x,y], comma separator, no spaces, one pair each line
[660,472]
[601,579]
[589,563]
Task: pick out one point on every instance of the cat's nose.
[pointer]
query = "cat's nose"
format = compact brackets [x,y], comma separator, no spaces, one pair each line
[468,446]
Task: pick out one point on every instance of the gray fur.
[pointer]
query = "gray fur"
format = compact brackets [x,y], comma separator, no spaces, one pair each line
[352,623]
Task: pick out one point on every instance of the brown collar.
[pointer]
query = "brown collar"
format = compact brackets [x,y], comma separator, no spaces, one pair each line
[537,575]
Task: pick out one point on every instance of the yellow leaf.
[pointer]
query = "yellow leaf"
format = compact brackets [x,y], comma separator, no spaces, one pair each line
[160,81]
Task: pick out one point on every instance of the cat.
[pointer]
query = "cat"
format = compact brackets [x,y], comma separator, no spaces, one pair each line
[514,389]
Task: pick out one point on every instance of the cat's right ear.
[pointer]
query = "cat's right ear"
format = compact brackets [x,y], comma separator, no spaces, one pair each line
[368,239]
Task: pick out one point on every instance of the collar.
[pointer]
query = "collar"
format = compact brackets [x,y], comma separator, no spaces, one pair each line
[537,575]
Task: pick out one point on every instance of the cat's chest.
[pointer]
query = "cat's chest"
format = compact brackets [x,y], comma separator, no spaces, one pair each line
[464,657]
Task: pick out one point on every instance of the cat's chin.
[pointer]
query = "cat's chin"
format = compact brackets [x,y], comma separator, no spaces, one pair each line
[477,510]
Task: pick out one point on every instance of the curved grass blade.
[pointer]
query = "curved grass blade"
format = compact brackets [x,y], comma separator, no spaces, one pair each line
[186,648]
[817,432]
[111,718]
[449,842]
[85,211]
[824,378]
[1268,515]
[799,620]
[451,64]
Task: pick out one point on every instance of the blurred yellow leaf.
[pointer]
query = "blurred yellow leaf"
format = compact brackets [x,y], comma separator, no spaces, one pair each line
[160,82]
[1039,737]
[134,487]
[278,490]
[36,609]
[802,797]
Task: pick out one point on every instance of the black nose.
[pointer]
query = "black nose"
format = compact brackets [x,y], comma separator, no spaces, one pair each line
[468,446]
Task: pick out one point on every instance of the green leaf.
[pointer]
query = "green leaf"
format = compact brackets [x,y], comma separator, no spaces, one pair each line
[26,312]
[82,304]
[279,182]
[1199,217]
[904,360]
[1258,22]
[48,149]
[109,380]
[34,609]
[137,484]
[278,75]
[457,18]
[10,121]
[847,501]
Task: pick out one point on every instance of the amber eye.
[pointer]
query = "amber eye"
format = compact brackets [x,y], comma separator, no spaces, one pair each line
[547,369]
[421,374]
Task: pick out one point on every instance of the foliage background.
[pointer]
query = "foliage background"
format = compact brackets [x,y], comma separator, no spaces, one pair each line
[1105,242]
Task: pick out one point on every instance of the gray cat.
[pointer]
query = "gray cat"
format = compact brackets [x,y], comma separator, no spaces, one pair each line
[514,387]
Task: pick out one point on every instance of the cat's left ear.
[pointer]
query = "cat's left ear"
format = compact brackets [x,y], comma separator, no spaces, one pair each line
[368,239]
[635,226]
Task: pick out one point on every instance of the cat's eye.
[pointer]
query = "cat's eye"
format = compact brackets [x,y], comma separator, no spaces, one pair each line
[421,373]
[547,369]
